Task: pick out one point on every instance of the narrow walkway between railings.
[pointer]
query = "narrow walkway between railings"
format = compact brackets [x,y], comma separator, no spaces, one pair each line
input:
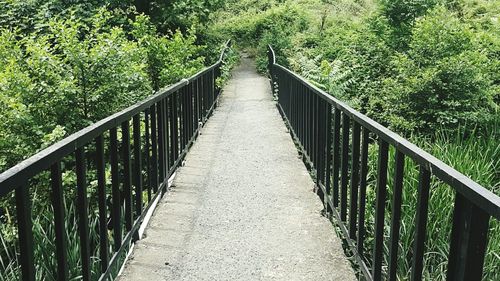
[242,207]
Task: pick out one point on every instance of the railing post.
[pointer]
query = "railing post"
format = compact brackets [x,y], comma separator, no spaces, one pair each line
[115,192]
[59,219]
[83,206]
[424,182]
[353,210]
[362,192]
[101,201]
[396,213]
[469,238]
[137,165]
[25,230]
[127,175]
[329,156]
[380,208]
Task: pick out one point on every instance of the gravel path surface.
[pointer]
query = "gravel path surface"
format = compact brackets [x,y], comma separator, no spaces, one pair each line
[242,207]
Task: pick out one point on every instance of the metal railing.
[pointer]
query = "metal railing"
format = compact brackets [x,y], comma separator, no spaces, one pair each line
[163,128]
[328,131]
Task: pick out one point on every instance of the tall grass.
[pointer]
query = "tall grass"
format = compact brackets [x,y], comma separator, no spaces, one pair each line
[44,240]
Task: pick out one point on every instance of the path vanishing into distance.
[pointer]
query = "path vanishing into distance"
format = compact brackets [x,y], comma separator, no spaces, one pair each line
[242,207]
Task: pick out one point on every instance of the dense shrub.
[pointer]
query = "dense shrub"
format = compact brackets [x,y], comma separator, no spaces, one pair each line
[443,81]
[276,25]
[73,72]
[169,58]
[182,14]
[364,55]
[416,66]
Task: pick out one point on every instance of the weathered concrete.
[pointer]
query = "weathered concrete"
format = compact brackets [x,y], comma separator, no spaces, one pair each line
[242,207]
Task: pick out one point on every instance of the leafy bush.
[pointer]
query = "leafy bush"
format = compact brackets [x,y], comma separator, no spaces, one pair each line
[276,25]
[441,82]
[169,58]
[363,54]
[182,14]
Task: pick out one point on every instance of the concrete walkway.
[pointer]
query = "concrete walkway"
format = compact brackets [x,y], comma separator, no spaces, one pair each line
[242,207]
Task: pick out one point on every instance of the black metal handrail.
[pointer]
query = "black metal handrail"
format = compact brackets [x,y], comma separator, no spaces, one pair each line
[164,127]
[323,126]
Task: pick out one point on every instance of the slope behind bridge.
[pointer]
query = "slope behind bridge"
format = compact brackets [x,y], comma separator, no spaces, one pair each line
[242,207]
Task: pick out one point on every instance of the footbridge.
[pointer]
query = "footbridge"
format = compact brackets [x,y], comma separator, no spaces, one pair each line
[266,178]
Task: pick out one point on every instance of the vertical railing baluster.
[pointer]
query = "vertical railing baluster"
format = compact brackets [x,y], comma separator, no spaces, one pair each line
[137,165]
[396,213]
[321,142]
[345,166]
[302,117]
[148,153]
[305,123]
[116,212]
[424,182]
[212,85]
[192,109]
[205,97]
[469,239]
[165,137]
[25,232]
[175,129]
[329,156]
[191,92]
[189,114]
[181,120]
[59,219]
[293,93]
[321,151]
[353,211]
[289,115]
[154,148]
[127,175]
[101,200]
[82,209]
[171,113]
[202,98]
[312,135]
[196,84]
[362,192]
[336,156]
[383,154]
[317,134]
[210,91]
[161,142]
[185,117]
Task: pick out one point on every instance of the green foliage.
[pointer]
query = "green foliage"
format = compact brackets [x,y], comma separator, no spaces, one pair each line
[276,25]
[70,76]
[230,59]
[404,12]
[169,58]
[182,14]
[441,82]
[415,66]
[110,70]
[363,54]
[28,16]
